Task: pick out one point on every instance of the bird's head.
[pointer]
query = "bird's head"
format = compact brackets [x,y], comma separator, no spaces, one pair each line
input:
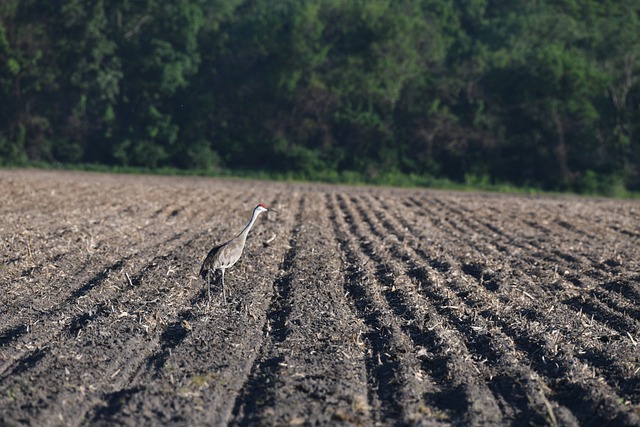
[262,208]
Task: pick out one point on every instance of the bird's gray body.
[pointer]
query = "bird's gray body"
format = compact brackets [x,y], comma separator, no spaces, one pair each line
[225,255]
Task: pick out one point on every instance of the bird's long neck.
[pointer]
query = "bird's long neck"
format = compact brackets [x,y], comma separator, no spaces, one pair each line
[245,231]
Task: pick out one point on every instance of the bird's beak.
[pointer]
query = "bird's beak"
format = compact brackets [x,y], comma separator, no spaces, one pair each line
[272,210]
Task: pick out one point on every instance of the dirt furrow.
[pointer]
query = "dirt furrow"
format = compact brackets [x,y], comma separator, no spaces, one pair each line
[351,306]
[306,373]
[153,325]
[574,255]
[194,371]
[580,267]
[146,317]
[484,365]
[89,233]
[575,282]
[93,325]
[544,342]
[72,288]
[82,307]
[481,271]
[396,379]
[65,266]
[588,292]
[259,390]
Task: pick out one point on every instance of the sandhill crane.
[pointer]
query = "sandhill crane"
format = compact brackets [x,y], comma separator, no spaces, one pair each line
[223,256]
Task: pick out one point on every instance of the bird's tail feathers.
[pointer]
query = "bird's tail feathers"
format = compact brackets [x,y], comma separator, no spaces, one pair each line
[203,271]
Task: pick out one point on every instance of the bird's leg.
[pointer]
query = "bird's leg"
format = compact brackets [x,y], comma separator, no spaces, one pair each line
[224,293]
[209,287]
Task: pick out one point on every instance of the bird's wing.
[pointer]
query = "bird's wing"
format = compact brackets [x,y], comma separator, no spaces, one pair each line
[230,253]
[207,264]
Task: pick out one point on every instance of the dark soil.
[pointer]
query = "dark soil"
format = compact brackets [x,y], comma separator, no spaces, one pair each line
[350,306]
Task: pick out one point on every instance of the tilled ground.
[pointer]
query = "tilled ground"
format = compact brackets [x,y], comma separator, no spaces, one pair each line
[350,306]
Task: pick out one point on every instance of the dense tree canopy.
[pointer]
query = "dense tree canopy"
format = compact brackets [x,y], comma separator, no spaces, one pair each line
[543,93]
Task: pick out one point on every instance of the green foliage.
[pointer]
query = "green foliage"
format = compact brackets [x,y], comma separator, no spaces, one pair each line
[611,185]
[478,92]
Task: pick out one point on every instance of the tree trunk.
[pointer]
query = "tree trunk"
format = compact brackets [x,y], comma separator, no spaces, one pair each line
[560,150]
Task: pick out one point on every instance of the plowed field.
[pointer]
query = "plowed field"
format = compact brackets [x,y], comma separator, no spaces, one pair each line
[350,306]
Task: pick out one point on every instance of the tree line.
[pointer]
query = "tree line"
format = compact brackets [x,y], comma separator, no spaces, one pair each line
[539,93]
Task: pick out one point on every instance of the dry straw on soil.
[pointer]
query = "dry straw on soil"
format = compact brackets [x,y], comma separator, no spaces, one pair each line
[350,306]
